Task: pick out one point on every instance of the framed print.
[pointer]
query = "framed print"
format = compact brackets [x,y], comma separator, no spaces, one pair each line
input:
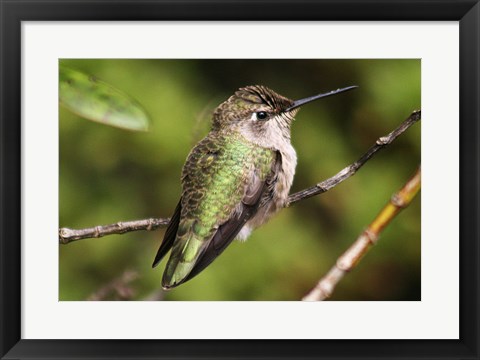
[266,267]
[197,139]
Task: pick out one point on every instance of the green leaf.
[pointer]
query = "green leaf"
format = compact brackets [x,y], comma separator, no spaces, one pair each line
[96,100]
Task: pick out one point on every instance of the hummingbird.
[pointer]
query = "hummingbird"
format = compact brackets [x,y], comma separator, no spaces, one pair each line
[233,180]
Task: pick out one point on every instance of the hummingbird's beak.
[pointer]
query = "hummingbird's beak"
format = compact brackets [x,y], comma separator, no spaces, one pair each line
[298,103]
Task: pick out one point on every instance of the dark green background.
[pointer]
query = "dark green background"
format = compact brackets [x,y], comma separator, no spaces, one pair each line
[109,175]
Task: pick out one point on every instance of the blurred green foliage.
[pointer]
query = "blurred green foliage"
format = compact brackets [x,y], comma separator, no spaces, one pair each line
[95,100]
[109,175]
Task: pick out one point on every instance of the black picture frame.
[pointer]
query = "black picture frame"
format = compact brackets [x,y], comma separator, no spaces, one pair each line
[467,12]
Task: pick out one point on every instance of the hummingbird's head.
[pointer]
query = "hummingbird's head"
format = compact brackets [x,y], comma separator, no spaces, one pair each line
[250,104]
[255,111]
[260,114]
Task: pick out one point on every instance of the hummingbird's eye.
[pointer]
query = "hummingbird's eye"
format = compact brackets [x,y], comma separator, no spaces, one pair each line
[261,115]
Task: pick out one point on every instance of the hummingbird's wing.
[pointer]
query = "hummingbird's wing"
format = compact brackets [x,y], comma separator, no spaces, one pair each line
[170,235]
[227,232]
[224,181]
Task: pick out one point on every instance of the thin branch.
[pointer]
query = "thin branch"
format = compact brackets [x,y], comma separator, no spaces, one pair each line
[67,235]
[352,256]
[350,170]
[118,289]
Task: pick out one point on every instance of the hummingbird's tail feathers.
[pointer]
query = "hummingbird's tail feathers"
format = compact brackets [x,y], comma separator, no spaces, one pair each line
[191,255]
[169,236]
[180,270]
[187,249]
[225,234]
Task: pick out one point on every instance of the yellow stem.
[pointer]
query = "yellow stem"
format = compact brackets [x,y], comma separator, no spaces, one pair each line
[350,258]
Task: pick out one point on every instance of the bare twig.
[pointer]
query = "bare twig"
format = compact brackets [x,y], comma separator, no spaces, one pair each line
[67,235]
[350,170]
[118,289]
[352,256]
